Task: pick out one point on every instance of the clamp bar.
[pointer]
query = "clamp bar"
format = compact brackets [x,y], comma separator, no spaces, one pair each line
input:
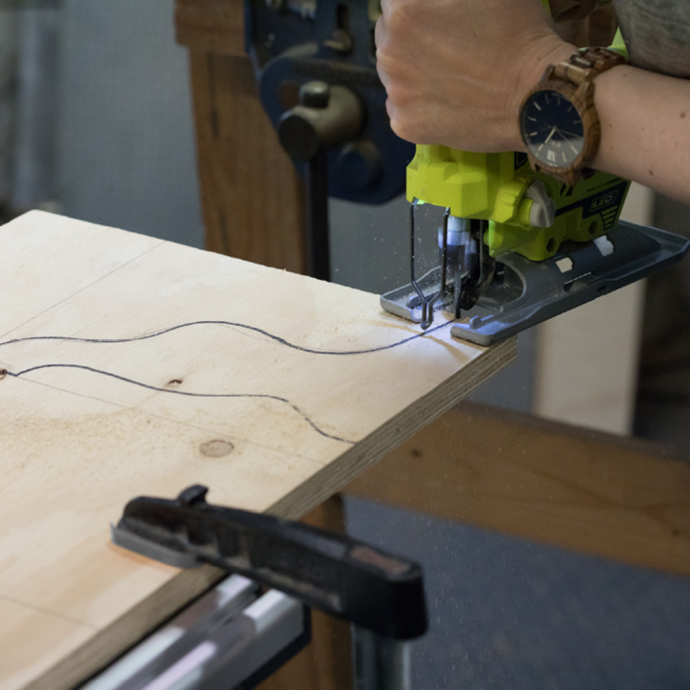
[230,638]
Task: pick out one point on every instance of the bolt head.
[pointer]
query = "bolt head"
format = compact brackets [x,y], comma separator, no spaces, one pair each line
[315,94]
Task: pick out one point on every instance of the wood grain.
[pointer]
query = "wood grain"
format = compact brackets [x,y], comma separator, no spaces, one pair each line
[584,490]
[252,198]
[251,195]
[78,442]
[213,26]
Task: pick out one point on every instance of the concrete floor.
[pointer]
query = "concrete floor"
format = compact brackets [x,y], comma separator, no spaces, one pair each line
[508,613]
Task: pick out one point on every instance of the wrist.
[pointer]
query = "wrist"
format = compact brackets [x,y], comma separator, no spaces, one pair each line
[608,96]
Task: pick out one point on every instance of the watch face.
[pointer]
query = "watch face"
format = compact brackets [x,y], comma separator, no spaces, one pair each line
[552,129]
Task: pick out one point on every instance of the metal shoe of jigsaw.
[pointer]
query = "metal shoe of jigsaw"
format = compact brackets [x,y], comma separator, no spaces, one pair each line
[518,247]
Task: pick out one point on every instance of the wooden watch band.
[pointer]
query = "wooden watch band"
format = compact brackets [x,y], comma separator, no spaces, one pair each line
[587,64]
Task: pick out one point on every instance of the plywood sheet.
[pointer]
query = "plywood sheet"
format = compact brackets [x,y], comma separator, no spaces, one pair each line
[136,366]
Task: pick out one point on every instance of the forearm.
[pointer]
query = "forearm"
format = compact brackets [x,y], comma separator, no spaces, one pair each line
[645,121]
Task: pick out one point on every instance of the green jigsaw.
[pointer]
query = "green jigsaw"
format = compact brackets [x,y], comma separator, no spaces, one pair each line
[518,246]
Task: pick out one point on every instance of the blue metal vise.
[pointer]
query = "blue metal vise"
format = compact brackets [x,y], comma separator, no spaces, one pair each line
[295,42]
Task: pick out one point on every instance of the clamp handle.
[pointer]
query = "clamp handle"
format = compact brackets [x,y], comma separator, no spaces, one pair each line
[341,576]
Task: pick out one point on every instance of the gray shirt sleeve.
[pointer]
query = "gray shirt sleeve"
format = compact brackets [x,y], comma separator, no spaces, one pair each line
[657,33]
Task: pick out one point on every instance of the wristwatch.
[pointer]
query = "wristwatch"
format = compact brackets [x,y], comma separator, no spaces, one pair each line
[558,121]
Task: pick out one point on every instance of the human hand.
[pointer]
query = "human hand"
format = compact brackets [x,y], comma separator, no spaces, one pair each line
[456,71]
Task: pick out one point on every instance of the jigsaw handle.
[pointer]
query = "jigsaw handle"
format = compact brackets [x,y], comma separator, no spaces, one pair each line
[330,572]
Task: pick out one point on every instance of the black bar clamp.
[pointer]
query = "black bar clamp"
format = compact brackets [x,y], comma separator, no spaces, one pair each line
[333,573]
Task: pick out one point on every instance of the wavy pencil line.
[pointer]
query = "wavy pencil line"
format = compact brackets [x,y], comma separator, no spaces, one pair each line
[229,324]
[185,393]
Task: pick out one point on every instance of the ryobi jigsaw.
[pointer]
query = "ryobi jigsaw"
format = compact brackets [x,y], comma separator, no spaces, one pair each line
[518,246]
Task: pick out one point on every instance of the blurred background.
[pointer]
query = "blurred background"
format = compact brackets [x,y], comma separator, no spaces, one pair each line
[97,123]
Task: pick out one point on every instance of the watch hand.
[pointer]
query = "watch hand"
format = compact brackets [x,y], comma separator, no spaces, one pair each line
[570,134]
[568,141]
[553,131]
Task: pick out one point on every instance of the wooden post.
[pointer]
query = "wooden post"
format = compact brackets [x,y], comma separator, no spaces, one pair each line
[252,198]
